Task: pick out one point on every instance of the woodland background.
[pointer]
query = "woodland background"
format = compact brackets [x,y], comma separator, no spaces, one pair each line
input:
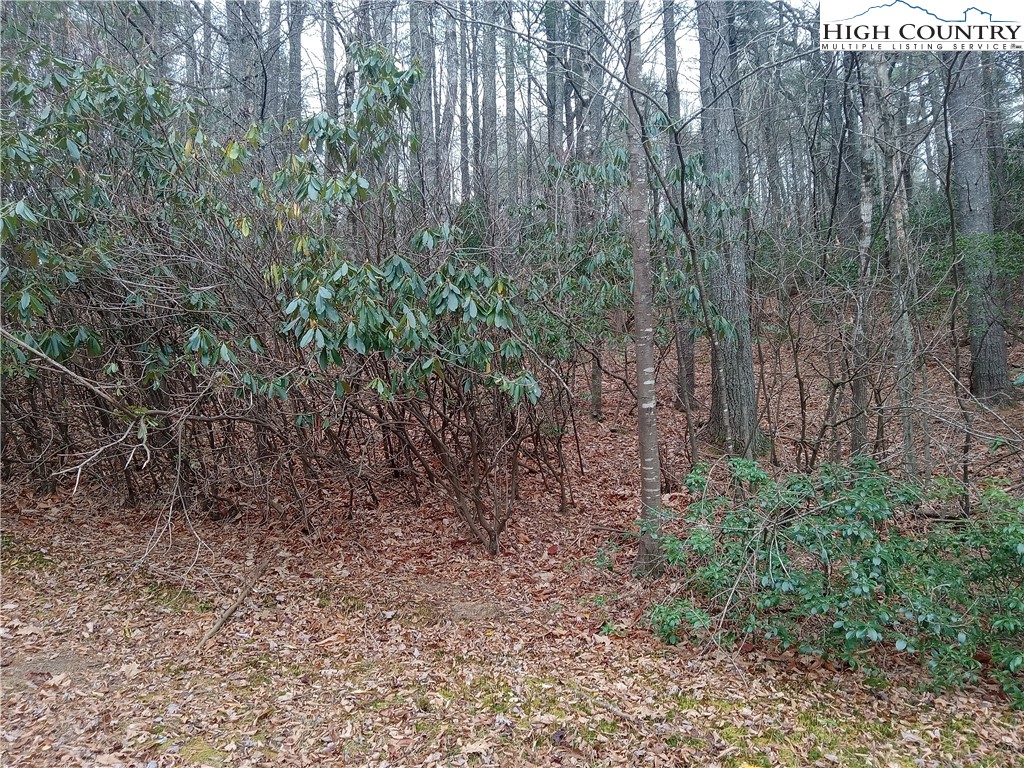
[658,289]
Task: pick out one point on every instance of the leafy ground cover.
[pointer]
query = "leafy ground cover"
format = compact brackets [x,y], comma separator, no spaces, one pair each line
[391,639]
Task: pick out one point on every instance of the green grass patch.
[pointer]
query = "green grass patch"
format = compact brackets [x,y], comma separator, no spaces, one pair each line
[17,556]
[175,598]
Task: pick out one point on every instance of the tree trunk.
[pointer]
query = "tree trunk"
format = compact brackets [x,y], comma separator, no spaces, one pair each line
[272,60]
[734,407]
[901,267]
[554,99]
[860,374]
[424,159]
[446,118]
[511,132]
[236,58]
[296,20]
[990,379]
[330,74]
[464,115]
[684,344]
[253,76]
[206,70]
[649,560]
[555,76]
[477,172]
[593,123]
[1002,216]
[489,119]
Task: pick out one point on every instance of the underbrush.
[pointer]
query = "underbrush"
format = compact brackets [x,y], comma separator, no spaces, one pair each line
[841,564]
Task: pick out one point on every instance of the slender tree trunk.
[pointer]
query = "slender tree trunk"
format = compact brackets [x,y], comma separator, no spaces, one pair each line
[555,76]
[489,121]
[446,122]
[206,69]
[296,20]
[192,62]
[593,121]
[531,148]
[272,59]
[901,267]
[330,73]
[684,345]
[860,374]
[849,187]
[555,83]
[595,82]
[649,560]
[573,69]
[478,175]
[236,57]
[511,131]
[464,115]
[424,158]
[254,77]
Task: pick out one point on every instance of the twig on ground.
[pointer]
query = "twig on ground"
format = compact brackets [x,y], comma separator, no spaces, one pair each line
[246,590]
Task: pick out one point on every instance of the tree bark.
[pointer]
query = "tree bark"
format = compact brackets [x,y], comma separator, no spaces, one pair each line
[860,374]
[489,119]
[511,131]
[272,60]
[649,560]
[464,115]
[446,118]
[330,73]
[555,76]
[206,70]
[990,378]
[424,158]
[477,170]
[684,345]
[734,407]
[902,269]
[296,20]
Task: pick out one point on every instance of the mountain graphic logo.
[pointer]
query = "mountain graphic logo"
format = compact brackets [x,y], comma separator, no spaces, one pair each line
[902,5]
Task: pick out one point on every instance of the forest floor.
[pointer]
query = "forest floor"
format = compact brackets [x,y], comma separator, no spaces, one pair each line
[389,639]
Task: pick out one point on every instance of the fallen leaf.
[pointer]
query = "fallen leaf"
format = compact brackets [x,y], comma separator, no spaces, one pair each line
[477,748]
